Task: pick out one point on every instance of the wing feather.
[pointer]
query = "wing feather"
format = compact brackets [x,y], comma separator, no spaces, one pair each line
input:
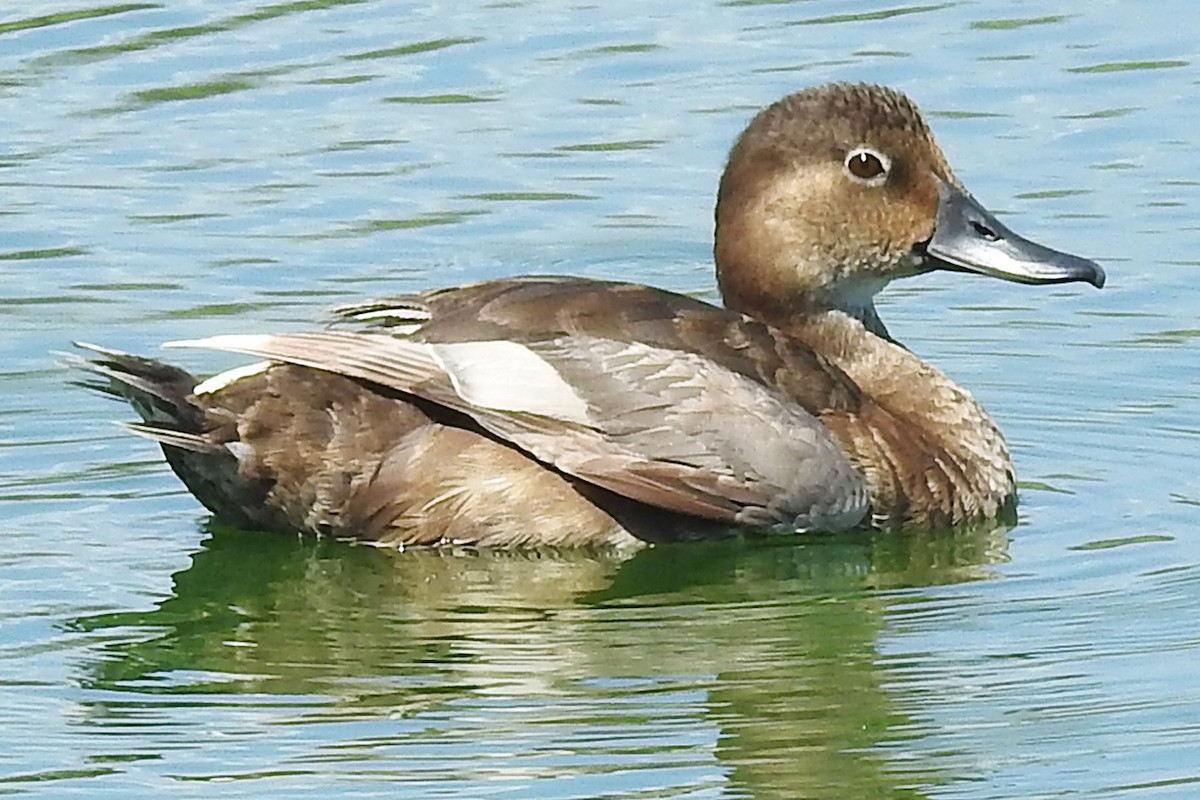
[663,427]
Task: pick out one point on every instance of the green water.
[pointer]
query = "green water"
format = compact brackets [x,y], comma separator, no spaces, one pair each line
[181,169]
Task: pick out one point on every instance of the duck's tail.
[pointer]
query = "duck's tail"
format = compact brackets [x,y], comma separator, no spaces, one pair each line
[160,393]
[200,445]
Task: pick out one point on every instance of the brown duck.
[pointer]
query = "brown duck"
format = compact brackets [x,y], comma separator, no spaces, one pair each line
[569,411]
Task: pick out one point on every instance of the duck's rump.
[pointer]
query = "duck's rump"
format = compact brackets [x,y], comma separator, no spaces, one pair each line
[296,449]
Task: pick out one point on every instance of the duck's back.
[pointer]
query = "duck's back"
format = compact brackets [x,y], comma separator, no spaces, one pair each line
[538,308]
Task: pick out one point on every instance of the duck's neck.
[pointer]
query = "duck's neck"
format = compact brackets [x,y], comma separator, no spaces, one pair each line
[859,344]
[856,299]
[925,444]
[868,317]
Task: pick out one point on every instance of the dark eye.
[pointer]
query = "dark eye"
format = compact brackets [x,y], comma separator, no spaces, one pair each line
[868,166]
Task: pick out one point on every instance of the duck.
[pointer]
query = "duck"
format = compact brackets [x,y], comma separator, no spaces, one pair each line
[566,411]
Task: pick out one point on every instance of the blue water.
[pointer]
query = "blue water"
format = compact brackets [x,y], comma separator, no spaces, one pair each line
[179,169]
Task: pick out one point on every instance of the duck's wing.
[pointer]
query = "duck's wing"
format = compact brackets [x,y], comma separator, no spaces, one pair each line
[665,427]
[549,307]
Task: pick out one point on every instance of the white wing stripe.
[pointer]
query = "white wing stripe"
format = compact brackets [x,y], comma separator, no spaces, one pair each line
[507,376]
[230,377]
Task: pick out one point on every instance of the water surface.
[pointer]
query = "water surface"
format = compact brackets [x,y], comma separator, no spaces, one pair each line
[179,169]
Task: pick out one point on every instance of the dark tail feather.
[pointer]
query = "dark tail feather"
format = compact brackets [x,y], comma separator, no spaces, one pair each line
[160,393]
[196,442]
[163,396]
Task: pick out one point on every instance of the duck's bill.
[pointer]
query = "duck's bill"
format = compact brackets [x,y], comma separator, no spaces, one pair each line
[968,237]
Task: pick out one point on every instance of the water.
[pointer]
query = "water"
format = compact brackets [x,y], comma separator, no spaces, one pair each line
[181,169]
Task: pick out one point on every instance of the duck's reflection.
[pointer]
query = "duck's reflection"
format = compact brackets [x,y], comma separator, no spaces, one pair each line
[778,643]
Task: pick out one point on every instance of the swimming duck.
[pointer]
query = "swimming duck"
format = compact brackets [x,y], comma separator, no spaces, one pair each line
[571,411]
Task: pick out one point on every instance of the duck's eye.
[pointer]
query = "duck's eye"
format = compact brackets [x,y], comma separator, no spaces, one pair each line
[868,166]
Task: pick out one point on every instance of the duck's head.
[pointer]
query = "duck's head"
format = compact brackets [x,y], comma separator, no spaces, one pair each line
[834,191]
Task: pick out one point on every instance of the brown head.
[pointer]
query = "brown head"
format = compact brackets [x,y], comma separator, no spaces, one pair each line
[833,191]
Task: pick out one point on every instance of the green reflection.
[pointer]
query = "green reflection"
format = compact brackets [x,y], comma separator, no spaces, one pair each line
[345,80]
[1126,66]
[1108,544]
[167,36]
[607,50]
[49,252]
[192,91]
[440,99]
[962,114]
[526,196]
[1104,113]
[74,15]
[166,219]
[371,226]
[603,147]
[870,16]
[411,49]
[51,776]
[8,304]
[207,310]
[1013,24]
[777,640]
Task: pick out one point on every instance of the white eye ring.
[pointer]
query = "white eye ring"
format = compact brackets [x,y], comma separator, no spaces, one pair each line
[867,166]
